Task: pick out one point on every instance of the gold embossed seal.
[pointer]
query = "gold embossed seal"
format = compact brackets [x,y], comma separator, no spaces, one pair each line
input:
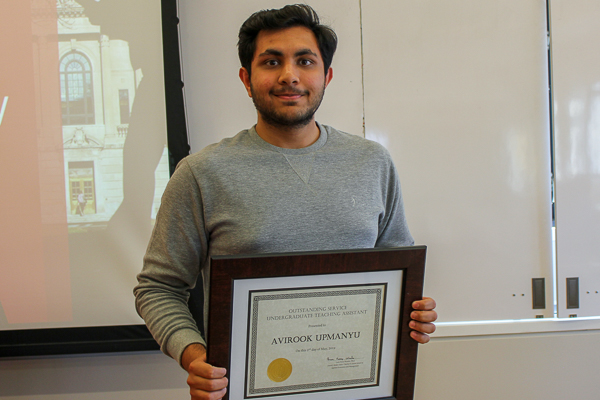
[279,370]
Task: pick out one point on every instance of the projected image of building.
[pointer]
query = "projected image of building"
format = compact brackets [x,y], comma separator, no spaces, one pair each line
[98,87]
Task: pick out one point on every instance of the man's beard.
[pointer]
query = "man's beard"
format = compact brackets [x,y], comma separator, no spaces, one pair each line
[285,120]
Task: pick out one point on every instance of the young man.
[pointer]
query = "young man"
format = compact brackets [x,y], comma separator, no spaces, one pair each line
[287,184]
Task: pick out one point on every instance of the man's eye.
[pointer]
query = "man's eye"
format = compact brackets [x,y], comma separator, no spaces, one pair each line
[305,62]
[271,62]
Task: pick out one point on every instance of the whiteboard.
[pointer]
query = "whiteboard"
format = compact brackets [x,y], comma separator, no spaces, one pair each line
[457,91]
[575,34]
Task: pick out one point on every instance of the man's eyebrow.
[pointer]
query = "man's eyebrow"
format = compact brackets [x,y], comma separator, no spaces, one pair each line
[305,52]
[271,52]
[299,53]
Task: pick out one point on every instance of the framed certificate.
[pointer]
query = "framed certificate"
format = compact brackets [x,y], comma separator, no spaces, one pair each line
[326,325]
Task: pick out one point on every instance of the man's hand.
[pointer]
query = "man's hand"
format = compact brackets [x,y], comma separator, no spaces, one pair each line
[423,317]
[206,382]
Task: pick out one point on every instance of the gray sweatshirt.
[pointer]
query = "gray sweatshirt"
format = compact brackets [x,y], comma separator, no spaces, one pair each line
[246,196]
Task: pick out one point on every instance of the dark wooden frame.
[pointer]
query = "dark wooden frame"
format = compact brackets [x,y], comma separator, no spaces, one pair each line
[226,269]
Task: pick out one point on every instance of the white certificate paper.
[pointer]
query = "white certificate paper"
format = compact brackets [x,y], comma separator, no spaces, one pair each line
[316,339]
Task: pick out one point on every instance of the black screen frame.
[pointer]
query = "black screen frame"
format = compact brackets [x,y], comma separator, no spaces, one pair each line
[120,338]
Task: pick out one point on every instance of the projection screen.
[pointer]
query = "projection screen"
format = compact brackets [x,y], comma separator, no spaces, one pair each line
[85,158]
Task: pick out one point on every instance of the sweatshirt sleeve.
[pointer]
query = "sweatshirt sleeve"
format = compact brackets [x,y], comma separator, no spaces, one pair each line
[393,228]
[175,254]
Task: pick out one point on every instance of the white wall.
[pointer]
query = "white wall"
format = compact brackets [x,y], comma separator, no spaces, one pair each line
[550,366]
[542,366]
[123,376]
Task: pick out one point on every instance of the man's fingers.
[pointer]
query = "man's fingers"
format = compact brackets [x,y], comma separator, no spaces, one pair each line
[210,372]
[206,382]
[426,304]
[201,368]
[419,337]
[202,395]
[422,327]
[208,385]
[424,316]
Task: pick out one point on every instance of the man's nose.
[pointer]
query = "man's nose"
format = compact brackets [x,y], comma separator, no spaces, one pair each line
[289,75]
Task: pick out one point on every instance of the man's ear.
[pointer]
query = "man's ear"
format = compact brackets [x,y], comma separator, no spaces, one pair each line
[245,78]
[329,76]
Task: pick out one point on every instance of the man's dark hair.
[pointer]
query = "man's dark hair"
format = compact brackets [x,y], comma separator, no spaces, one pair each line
[286,17]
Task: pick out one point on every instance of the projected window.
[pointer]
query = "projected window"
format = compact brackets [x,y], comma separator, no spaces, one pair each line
[81,183]
[76,90]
